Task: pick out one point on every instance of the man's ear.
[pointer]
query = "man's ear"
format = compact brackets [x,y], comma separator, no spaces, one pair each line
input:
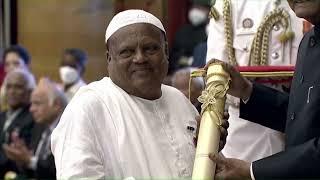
[108,56]
[167,49]
[57,104]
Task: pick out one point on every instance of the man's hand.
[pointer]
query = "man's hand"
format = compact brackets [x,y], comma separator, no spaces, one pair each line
[240,86]
[228,168]
[223,130]
[18,152]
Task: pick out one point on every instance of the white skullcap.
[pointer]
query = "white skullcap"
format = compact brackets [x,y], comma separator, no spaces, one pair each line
[129,17]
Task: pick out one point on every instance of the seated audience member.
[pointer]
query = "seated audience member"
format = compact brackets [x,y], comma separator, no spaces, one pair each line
[47,104]
[17,120]
[189,35]
[13,57]
[180,80]
[71,70]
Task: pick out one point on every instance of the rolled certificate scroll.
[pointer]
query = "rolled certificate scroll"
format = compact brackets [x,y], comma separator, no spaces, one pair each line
[213,100]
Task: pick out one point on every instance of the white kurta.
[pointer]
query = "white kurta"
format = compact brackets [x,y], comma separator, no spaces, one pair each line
[105,132]
[247,140]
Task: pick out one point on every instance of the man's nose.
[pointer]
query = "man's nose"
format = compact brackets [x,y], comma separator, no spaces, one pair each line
[139,57]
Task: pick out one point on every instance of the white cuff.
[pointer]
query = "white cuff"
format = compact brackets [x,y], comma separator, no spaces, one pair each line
[251,173]
[33,163]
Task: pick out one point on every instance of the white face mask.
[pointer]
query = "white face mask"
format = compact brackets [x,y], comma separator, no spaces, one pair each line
[197,16]
[68,75]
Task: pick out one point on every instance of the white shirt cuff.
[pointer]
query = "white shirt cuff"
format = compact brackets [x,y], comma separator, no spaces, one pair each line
[251,173]
[33,163]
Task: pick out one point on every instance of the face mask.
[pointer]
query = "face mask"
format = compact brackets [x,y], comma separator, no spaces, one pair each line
[197,16]
[68,74]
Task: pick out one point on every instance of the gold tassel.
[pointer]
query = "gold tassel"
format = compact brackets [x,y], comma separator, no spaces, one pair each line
[288,34]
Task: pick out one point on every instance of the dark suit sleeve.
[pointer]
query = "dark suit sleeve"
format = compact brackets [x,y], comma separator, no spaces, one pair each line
[267,107]
[301,161]
[46,168]
[25,132]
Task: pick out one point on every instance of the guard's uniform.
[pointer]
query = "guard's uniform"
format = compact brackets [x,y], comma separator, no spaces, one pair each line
[247,140]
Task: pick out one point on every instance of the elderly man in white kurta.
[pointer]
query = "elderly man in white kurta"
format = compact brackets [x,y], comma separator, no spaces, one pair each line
[128,125]
[246,140]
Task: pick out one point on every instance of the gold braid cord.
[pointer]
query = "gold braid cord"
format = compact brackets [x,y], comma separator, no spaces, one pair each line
[214,90]
[228,31]
[194,74]
[260,45]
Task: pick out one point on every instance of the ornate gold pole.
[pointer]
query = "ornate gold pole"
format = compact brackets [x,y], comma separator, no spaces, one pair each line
[213,100]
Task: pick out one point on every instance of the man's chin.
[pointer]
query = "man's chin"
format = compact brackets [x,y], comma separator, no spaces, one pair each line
[306,16]
[301,14]
[146,82]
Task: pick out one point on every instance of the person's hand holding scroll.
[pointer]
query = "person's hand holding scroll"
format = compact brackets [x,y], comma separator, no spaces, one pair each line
[239,86]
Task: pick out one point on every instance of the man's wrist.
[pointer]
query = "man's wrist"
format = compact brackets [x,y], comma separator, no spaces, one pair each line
[246,171]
